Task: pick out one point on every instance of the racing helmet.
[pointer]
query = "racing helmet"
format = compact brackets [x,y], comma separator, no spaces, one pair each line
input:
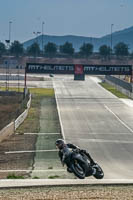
[59,143]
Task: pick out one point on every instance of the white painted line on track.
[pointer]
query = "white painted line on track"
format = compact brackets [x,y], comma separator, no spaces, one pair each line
[62,130]
[108,141]
[118,118]
[113,133]
[38,134]
[36,170]
[128,102]
[87,102]
[30,151]
[97,82]
[96,79]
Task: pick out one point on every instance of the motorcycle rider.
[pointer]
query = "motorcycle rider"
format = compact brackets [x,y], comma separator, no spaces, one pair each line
[63,149]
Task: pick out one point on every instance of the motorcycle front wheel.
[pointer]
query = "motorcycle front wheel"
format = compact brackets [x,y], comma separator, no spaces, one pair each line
[99,172]
[78,169]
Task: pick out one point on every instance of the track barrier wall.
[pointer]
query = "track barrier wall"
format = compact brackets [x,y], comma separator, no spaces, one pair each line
[10,128]
[7,131]
[22,117]
[120,85]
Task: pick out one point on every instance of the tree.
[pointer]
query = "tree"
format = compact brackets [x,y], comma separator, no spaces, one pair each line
[16,48]
[67,48]
[86,49]
[50,48]
[2,48]
[121,49]
[34,49]
[104,50]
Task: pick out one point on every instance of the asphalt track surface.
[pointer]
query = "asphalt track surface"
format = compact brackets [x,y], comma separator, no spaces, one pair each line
[96,120]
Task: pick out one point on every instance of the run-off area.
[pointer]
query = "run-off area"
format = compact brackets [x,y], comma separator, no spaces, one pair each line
[31,151]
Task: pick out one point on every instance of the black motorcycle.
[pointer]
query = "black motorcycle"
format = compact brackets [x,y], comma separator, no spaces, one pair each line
[79,164]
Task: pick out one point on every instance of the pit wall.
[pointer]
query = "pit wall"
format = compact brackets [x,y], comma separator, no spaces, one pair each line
[120,85]
[10,128]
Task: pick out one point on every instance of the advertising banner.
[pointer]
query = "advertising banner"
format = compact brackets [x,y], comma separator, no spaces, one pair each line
[108,69]
[79,69]
[49,68]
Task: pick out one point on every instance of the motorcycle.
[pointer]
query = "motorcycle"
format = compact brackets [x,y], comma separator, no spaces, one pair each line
[78,163]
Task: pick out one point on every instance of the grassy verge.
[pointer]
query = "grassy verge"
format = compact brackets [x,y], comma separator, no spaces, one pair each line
[39,91]
[32,122]
[49,120]
[113,90]
[50,126]
[12,89]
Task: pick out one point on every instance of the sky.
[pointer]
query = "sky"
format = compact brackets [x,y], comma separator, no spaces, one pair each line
[91,18]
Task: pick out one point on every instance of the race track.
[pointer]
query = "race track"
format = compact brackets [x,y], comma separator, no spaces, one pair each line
[96,120]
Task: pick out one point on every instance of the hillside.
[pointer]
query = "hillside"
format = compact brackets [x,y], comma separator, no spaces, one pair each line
[125,36]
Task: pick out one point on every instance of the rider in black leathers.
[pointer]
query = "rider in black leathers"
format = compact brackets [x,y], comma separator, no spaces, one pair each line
[63,149]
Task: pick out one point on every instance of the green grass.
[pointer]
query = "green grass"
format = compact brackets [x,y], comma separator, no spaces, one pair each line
[35,177]
[49,121]
[42,92]
[54,177]
[38,91]
[50,167]
[12,89]
[13,176]
[113,90]
[32,122]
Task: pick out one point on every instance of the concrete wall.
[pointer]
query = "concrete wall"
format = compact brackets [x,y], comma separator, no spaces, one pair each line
[23,116]
[7,131]
[117,81]
[120,85]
